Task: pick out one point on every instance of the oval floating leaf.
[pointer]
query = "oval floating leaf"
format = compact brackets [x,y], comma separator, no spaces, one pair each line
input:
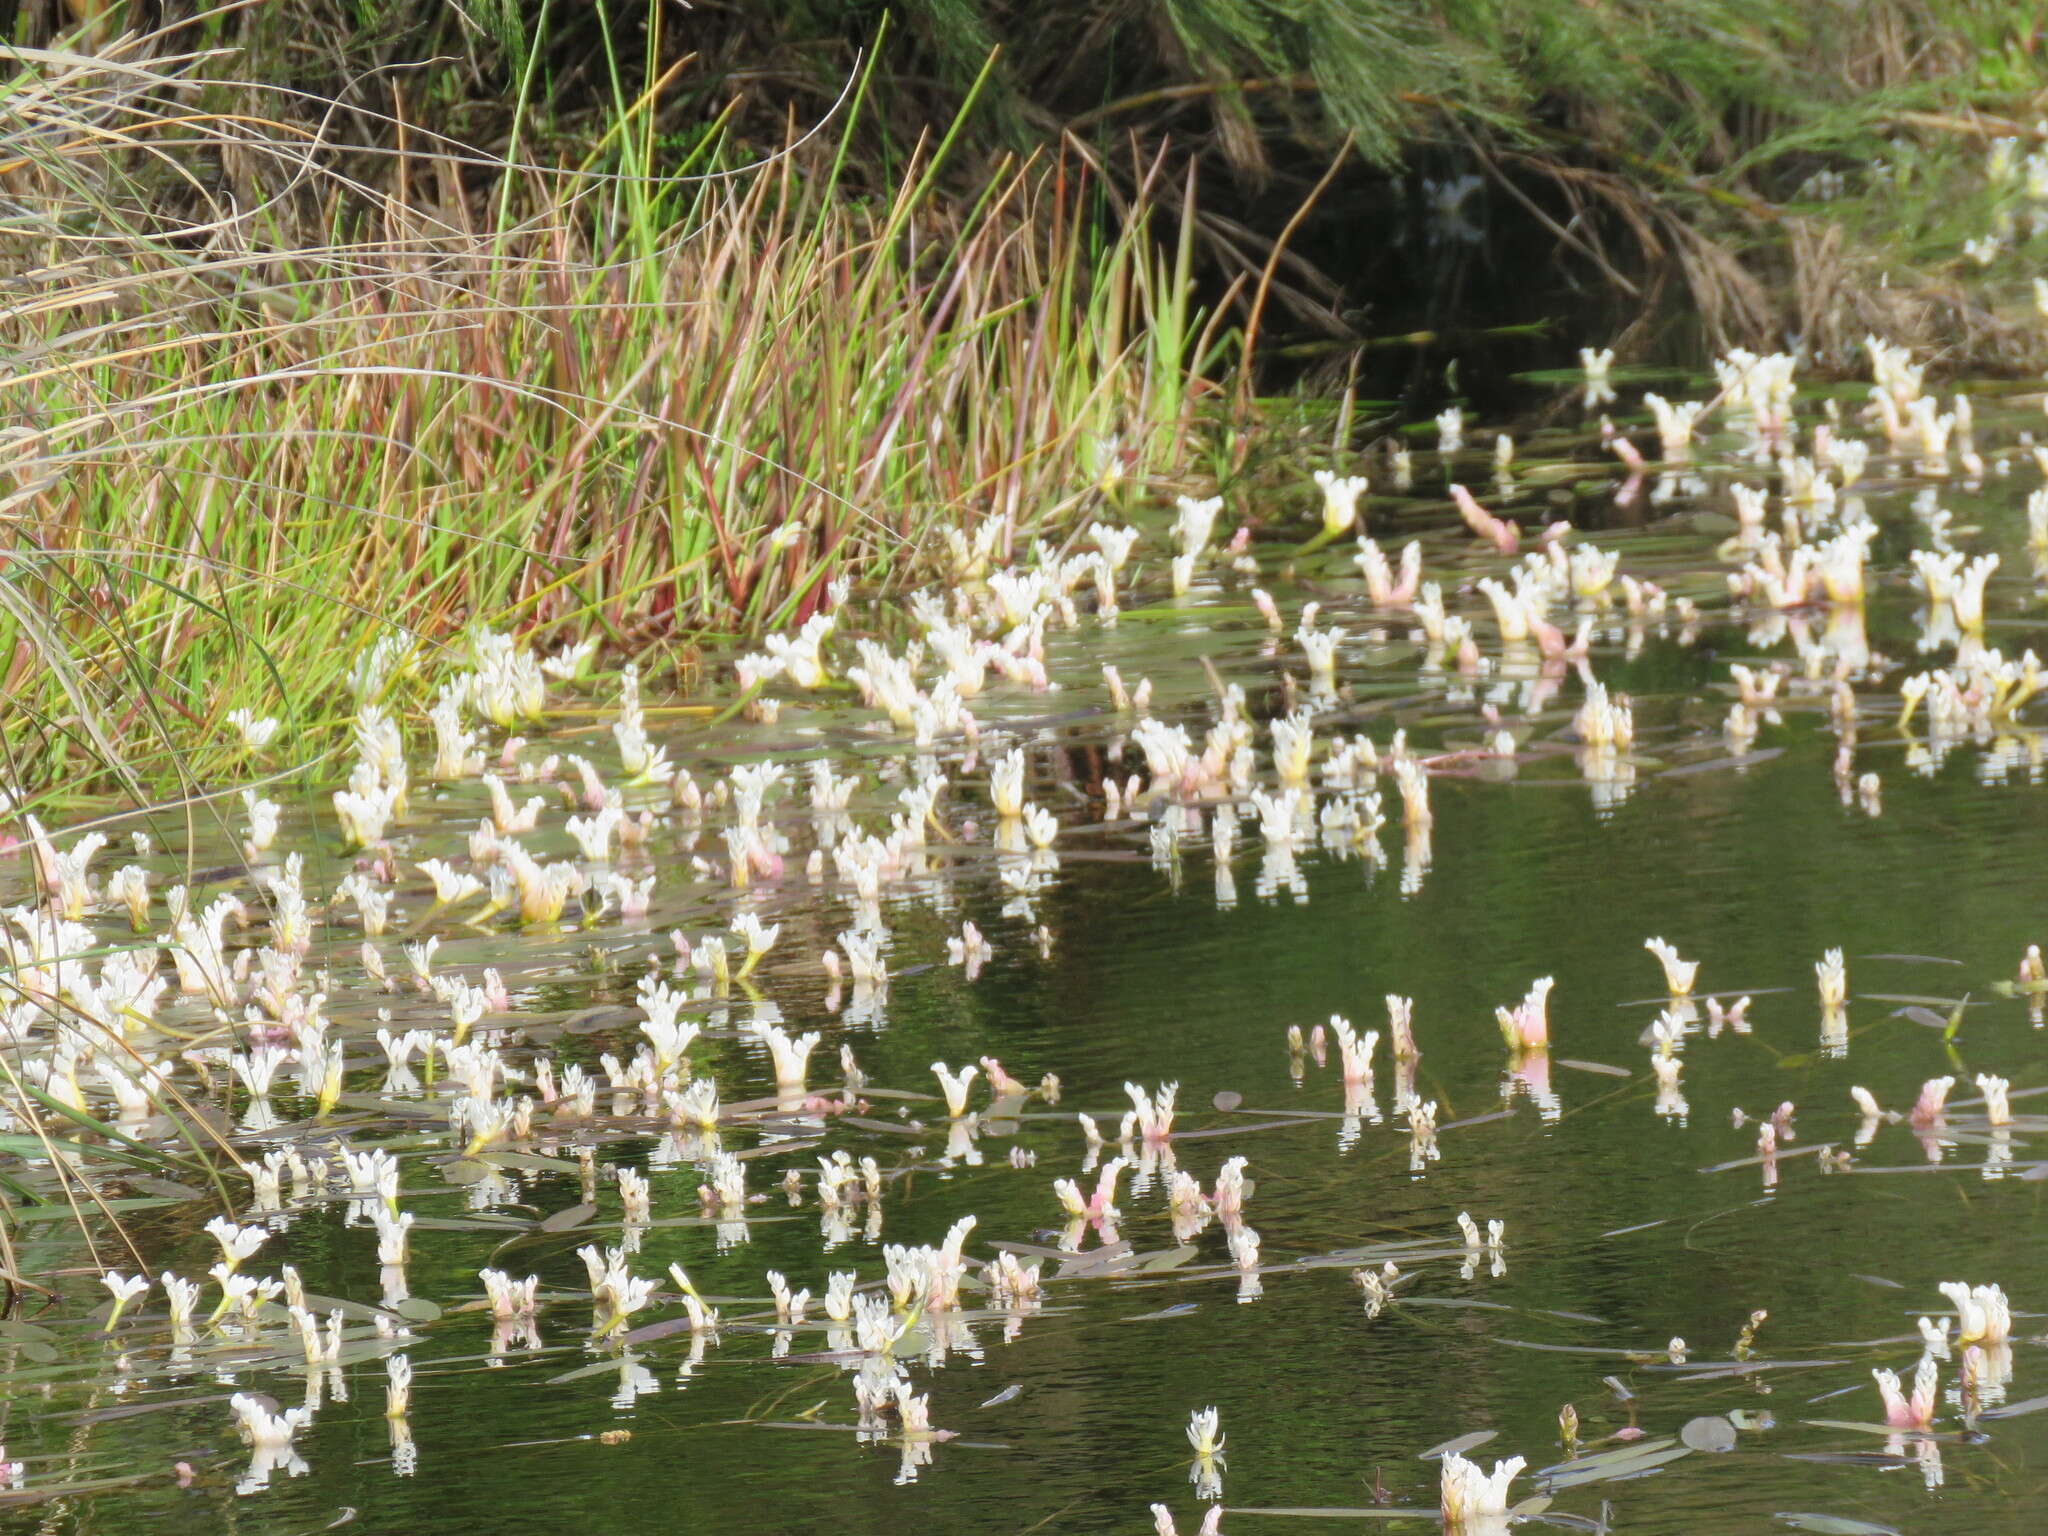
[568,1217]
[1708,1432]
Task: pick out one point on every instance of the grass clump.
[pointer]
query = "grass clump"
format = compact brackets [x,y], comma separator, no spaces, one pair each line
[585,399]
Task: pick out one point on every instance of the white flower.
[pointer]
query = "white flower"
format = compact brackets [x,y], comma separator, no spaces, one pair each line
[183,1296]
[129,885]
[1193,523]
[505,816]
[1900,1412]
[263,815]
[593,834]
[969,949]
[450,883]
[799,657]
[791,1054]
[696,1105]
[125,1289]
[669,1035]
[1040,826]
[393,1236]
[1450,430]
[1982,1313]
[1596,365]
[839,1295]
[266,1430]
[634,1198]
[789,1305]
[372,1175]
[1997,1111]
[1833,977]
[258,1069]
[614,1287]
[1678,974]
[1675,423]
[363,813]
[1353,1050]
[643,762]
[256,733]
[1152,1114]
[631,897]
[466,1004]
[1114,542]
[1006,785]
[864,959]
[1340,500]
[455,754]
[1526,1027]
[567,663]
[1320,649]
[510,1298]
[954,1085]
[1010,1282]
[1470,1494]
[1412,779]
[1294,741]
[1968,597]
[759,938]
[236,1242]
[242,1292]
[1204,1431]
[703,1318]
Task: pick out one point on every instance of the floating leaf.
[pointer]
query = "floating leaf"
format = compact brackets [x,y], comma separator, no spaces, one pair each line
[1709,1432]
[566,1218]
[1882,1459]
[1339,1512]
[534,1161]
[14,1498]
[1609,1466]
[595,1368]
[1835,1525]
[2014,1410]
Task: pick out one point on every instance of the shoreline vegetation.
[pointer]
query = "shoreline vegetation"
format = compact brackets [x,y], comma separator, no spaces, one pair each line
[292,373]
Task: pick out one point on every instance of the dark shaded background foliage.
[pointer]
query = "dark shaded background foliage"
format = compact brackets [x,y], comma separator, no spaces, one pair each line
[1502,158]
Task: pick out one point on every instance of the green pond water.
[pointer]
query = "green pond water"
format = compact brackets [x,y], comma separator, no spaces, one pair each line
[1628,1223]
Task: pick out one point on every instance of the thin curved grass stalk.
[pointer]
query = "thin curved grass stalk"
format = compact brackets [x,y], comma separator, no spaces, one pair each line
[67,1183]
[529,363]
